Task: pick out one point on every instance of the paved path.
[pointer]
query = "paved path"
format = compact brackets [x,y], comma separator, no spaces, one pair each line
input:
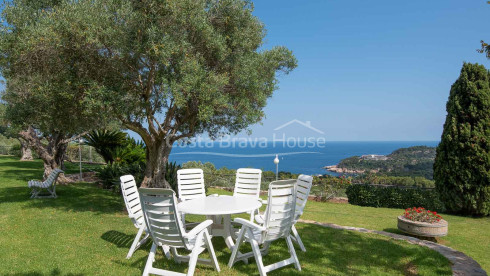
[461,263]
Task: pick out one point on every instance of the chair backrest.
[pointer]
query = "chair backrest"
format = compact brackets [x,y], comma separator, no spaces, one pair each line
[190,184]
[281,205]
[303,189]
[53,176]
[162,217]
[248,183]
[131,197]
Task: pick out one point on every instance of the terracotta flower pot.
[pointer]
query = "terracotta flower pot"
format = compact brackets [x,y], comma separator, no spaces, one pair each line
[423,229]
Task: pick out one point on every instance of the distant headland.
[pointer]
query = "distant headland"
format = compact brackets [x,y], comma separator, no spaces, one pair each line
[412,161]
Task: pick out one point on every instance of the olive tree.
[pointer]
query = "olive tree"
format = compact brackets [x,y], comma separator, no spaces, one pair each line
[50,96]
[10,131]
[168,70]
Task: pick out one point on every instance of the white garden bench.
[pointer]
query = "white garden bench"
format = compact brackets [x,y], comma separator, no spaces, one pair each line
[48,185]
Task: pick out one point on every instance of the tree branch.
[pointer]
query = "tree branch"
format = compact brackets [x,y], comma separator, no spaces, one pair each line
[65,141]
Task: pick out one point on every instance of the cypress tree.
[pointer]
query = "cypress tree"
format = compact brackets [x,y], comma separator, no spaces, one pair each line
[462,163]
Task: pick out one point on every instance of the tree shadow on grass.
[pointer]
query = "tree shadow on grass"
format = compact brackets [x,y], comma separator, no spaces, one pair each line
[54,272]
[77,197]
[329,251]
[22,175]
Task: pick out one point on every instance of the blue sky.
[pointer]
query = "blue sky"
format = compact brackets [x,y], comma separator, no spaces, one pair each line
[371,70]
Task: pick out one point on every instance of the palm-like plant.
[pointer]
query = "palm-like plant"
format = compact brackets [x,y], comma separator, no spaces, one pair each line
[106,142]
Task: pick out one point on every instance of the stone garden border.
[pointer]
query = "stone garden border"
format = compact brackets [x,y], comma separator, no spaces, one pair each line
[461,264]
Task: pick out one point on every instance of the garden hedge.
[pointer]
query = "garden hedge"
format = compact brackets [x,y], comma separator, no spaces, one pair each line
[394,197]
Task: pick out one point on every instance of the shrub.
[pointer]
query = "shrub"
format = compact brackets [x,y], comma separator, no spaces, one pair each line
[106,142]
[110,173]
[171,175]
[394,180]
[462,163]
[393,197]
[327,187]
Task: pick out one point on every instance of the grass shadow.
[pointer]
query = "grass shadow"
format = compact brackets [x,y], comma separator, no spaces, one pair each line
[329,251]
[77,197]
[54,272]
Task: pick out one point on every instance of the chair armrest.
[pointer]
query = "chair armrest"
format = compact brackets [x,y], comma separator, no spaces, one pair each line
[213,195]
[196,230]
[248,223]
[259,218]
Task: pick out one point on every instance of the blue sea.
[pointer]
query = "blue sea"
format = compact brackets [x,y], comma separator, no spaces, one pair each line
[295,159]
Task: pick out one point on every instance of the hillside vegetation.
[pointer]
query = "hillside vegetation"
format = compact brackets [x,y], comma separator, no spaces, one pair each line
[413,161]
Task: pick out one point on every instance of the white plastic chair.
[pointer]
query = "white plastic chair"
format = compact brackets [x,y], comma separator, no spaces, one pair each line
[247,184]
[166,229]
[49,185]
[303,189]
[304,184]
[279,218]
[190,184]
[133,205]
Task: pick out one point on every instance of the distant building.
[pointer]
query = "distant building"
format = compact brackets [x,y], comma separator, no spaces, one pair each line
[375,157]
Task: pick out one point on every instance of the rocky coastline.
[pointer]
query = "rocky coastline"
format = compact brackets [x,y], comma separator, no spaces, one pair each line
[337,169]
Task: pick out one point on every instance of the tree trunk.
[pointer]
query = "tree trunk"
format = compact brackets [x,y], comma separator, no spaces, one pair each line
[52,154]
[25,151]
[156,161]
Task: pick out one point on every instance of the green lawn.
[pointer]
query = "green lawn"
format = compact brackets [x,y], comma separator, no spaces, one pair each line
[85,231]
[466,234]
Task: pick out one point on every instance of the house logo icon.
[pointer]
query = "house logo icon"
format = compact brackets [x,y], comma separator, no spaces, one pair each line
[306,124]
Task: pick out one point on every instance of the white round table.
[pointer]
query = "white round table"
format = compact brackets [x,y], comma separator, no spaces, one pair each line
[223,206]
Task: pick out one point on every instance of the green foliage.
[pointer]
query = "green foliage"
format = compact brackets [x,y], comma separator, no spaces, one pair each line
[327,186]
[110,173]
[171,175]
[222,177]
[116,146]
[168,70]
[462,164]
[46,86]
[372,178]
[412,161]
[105,142]
[88,153]
[485,48]
[143,58]
[130,152]
[394,197]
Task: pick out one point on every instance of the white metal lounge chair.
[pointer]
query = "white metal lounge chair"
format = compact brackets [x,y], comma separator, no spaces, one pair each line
[279,219]
[49,185]
[248,184]
[304,184]
[133,205]
[166,229]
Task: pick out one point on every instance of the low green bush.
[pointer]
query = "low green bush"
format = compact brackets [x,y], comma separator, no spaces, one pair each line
[327,187]
[394,197]
[416,181]
[110,173]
